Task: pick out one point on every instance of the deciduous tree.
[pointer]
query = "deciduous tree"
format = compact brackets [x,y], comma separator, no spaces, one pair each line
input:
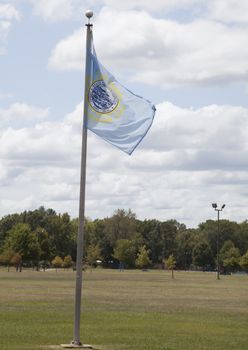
[67,263]
[93,254]
[170,263]
[57,262]
[202,255]
[143,260]
[125,252]
[6,256]
[232,259]
[25,242]
[244,261]
[17,261]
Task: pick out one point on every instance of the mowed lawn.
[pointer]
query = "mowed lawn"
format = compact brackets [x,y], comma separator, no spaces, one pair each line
[125,310]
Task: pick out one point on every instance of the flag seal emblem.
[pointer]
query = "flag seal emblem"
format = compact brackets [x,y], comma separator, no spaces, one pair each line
[101,98]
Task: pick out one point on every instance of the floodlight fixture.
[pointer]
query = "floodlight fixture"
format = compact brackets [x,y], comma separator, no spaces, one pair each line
[214,205]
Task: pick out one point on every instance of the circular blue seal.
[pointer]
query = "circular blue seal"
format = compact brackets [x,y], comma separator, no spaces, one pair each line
[101,98]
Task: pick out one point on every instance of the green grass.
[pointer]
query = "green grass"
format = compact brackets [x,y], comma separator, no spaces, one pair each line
[125,310]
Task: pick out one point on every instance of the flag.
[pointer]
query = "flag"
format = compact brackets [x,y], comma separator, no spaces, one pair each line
[113,112]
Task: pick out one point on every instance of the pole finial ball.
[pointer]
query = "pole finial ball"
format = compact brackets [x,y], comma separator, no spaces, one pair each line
[89,14]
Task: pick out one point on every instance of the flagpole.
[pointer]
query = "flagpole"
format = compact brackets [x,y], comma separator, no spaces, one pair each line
[76,343]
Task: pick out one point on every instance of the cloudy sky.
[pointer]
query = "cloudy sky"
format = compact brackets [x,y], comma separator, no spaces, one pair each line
[189,57]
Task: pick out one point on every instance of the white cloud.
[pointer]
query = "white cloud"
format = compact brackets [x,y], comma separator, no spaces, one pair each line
[152,6]
[75,118]
[60,192]
[19,114]
[18,204]
[3,172]
[37,146]
[229,10]
[8,12]
[68,53]
[53,10]
[189,159]
[60,10]
[211,128]
[160,51]
[4,30]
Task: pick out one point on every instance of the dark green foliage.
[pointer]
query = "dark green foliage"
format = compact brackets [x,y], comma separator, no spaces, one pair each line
[150,230]
[40,235]
[229,230]
[61,234]
[186,240]
[242,237]
[231,260]
[122,225]
[6,256]
[202,255]
[93,254]
[6,223]
[159,238]
[22,240]
[124,252]
[244,262]
[44,243]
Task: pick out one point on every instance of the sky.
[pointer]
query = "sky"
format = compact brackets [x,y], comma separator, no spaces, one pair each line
[189,57]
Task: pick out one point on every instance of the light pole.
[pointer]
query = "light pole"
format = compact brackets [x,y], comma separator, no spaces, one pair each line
[214,205]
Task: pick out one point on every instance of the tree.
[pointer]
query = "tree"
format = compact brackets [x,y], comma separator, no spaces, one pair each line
[6,256]
[242,237]
[67,263]
[125,252]
[57,262]
[224,252]
[143,260]
[25,242]
[44,244]
[122,225]
[6,224]
[171,264]
[151,233]
[228,230]
[244,261]
[43,234]
[17,261]
[230,256]
[202,255]
[93,254]
[34,218]
[61,234]
[169,231]
[89,233]
[100,237]
[186,240]
[231,261]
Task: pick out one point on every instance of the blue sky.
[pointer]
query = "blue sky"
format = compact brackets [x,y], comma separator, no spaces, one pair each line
[189,57]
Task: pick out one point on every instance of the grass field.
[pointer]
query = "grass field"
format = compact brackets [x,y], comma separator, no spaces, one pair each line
[125,310]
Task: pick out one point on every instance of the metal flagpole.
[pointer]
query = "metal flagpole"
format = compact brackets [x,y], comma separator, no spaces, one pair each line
[76,343]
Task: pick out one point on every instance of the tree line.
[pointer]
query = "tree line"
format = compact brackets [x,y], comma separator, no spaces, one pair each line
[43,238]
